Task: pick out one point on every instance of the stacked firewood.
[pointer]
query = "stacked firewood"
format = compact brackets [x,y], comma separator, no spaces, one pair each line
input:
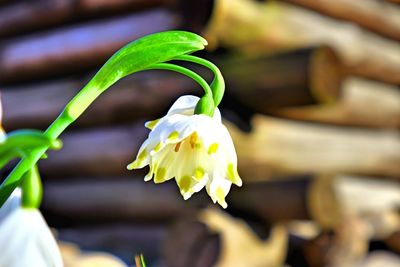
[312,104]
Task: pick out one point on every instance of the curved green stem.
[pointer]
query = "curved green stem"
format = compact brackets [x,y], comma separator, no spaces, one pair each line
[197,78]
[218,83]
[206,104]
[32,191]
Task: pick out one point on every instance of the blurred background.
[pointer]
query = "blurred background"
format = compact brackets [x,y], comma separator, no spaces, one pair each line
[312,103]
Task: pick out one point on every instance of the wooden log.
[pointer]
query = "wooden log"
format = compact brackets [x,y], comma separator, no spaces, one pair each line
[76,48]
[130,199]
[347,246]
[393,242]
[363,103]
[217,239]
[123,198]
[72,256]
[277,26]
[300,77]
[327,201]
[189,242]
[117,199]
[366,195]
[298,199]
[143,95]
[276,145]
[381,258]
[371,14]
[350,245]
[26,16]
[374,201]
[123,240]
[104,153]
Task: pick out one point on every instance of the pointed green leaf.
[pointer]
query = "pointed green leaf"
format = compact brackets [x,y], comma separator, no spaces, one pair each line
[146,51]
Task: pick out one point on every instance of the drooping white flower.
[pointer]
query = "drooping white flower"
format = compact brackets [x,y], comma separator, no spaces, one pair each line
[195,149]
[26,240]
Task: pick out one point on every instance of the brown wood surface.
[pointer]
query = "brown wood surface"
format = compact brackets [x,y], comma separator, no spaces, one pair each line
[263,84]
[142,95]
[76,48]
[273,147]
[125,240]
[277,26]
[26,16]
[369,14]
[115,199]
[101,152]
[295,78]
[276,145]
[129,198]
[363,103]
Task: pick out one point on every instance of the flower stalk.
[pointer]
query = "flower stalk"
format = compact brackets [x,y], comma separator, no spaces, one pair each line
[32,191]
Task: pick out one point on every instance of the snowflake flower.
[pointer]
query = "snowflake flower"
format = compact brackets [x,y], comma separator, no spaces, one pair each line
[195,149]
[26,240]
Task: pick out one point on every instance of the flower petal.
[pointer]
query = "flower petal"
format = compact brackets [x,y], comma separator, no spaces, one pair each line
[217,189]
[184,105]
[26,240]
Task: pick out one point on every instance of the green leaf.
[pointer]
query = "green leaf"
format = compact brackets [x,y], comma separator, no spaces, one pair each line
[18,143]
[146,51]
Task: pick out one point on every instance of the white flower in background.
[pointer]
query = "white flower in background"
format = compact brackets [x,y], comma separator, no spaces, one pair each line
[26,240]
[194,148]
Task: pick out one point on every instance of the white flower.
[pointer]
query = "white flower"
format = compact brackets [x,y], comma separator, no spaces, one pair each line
[195,149]
[26,240]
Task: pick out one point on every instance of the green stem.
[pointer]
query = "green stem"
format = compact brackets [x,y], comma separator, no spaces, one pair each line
[32,191]
[185,71]
[206,104]
[218,83]
[14,178]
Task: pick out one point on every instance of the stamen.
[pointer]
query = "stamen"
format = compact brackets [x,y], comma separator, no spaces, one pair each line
[178,145]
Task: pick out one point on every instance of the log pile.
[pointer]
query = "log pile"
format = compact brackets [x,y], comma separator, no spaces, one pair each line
[312,104]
